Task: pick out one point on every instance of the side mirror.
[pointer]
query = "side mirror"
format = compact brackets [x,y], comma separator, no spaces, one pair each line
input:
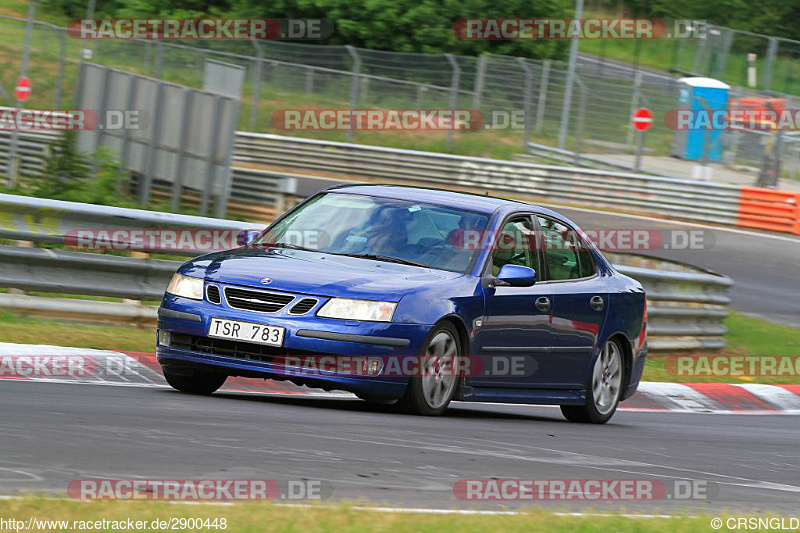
[247,237]
[516,276]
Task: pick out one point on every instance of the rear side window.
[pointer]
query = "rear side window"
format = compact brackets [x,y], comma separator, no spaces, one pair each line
[566,254]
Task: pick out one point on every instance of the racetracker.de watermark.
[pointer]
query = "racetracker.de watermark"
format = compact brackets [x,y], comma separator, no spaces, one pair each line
[68,366]
[730,119]
[504,29]
[733,365]
[72,120]
[210,240]
[377,119]
[583,490]
[201,29]
[198,489]
[499,365]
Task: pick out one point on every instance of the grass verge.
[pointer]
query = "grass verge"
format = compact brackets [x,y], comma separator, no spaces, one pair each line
[746,336]
[258,517]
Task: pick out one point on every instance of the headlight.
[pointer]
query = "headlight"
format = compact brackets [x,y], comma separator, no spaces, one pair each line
[348,309]
[186,287]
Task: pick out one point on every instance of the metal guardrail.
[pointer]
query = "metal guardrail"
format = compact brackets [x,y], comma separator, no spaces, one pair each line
[265,167]
[679,198]
[686,307]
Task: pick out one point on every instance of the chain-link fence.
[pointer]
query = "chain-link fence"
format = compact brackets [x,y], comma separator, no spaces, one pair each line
[284,75]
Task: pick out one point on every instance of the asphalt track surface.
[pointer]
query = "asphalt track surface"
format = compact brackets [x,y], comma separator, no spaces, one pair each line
[765,267]
[54,433]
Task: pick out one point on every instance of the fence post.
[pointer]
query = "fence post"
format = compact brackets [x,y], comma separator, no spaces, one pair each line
[354,82]
[566,108]
[454,82]
[212,145]
[480,75]
[309,81]
[770,62]
[62,56]
[186,124]
[221,204]
[637,87]
[581,115]
[155,138]
[543,86]
[159,58]
[256,83]
[526,102]
[13,162]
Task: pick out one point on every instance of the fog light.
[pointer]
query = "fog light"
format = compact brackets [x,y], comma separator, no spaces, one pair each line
[163,338]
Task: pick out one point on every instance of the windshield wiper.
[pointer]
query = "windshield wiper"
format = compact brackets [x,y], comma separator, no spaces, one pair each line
[289,246]
[386,259]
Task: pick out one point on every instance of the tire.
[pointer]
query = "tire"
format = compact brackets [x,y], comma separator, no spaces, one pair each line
[195,383]
[430,393]
[603,389]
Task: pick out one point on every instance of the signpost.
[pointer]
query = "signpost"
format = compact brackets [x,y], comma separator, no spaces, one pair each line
[642,120]
[23,90]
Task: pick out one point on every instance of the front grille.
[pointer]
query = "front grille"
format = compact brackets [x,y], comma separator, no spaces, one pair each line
[227,348]
[212,294]
[264,302]
[303,306]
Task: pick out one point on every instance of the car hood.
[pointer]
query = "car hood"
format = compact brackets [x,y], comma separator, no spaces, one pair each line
[315,273]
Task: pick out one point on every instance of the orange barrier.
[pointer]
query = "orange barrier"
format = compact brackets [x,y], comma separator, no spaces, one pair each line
[770,210]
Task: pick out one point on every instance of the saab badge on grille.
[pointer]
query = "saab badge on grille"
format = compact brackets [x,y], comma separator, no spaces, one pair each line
[266,281]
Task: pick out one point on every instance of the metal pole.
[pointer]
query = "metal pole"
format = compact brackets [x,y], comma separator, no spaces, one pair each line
[637,87]
[186,124]
[221,204]
[210,152]
[159,58]
[526,103]
[155,139]
[480,76]
[639,147]
[11,173]
[62,57]
[354,81]
[770,62]
[456,77]
[573,59]
[543,85]
[581,117]
[256,83]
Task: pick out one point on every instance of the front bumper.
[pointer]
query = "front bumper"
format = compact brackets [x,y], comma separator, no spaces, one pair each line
[308,334]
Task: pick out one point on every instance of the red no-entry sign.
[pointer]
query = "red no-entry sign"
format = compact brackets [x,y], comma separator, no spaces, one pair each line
[643,119]
[23,89]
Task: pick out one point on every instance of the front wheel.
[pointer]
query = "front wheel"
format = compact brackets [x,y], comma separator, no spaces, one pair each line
[603,390]
[431,392]
[196,382]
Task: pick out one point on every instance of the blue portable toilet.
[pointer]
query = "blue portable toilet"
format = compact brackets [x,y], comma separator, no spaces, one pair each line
[689,144]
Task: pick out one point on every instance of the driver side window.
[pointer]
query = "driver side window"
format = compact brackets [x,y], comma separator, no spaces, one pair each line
[515,245]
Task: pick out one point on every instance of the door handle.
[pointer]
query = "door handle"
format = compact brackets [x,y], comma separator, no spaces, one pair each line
[597,303]
[543,303]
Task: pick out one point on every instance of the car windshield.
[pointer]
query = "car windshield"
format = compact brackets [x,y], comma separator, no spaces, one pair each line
[384,229]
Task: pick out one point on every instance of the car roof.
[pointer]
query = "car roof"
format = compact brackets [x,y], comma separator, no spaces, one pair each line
[472,202]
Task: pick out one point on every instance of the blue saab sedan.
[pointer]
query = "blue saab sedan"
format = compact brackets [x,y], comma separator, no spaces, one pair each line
[428,296]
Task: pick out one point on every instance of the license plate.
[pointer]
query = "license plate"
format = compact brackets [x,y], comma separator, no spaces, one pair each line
[246,331]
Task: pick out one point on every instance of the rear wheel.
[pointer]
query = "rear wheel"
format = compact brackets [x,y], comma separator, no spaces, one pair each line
[603,390]
[194,382]
[431,392]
